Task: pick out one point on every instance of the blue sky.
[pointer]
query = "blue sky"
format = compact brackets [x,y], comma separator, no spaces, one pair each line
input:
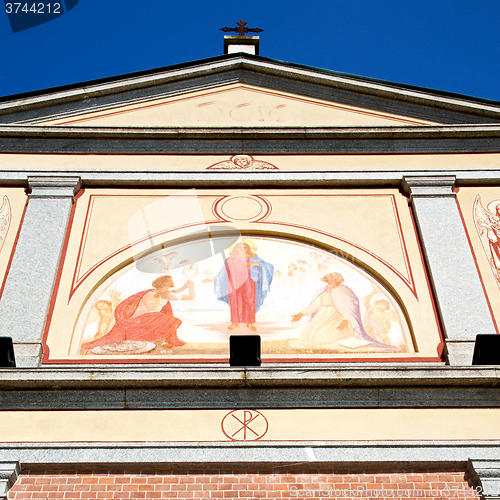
[450,45]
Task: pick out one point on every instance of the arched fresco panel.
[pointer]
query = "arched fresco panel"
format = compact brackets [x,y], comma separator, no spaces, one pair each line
[306,304]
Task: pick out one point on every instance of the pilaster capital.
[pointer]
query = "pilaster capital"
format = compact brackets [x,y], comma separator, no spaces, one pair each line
[486,473]
[54,186]
[9,472]
[429,186]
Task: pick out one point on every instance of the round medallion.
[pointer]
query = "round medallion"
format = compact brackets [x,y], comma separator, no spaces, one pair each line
[244,425]
[241,208]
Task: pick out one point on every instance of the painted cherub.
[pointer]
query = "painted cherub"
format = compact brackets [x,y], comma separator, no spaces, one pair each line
[105,309]
[292,268]
[165,260]
[378,317]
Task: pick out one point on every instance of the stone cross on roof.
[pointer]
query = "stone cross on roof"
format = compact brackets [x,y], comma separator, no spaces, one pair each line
[242,29]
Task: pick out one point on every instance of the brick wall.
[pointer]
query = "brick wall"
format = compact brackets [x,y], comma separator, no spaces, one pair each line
[242,484]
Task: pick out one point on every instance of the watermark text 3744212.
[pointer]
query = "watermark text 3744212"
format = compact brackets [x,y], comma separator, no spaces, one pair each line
[28,14]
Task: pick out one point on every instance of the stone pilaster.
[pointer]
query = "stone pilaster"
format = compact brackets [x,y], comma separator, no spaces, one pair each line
[9,472]
[486,474]
[461,303]
[31,278]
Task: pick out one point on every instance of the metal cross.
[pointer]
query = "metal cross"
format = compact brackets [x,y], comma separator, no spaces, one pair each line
[242,29]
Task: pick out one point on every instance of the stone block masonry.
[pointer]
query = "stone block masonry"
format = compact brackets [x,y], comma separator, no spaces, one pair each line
[276,483]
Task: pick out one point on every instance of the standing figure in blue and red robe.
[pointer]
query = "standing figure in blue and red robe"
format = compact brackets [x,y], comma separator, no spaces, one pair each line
[243,283]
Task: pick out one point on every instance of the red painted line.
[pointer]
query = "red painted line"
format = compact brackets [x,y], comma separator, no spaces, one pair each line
[14,245]
[46,349]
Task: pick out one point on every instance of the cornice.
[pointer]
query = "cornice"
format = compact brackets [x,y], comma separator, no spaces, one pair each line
[410,132]
[276,387]
[34,139]
[235,179]
[305,375]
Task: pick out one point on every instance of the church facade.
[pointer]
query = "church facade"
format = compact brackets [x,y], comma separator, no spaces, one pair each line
[352,224]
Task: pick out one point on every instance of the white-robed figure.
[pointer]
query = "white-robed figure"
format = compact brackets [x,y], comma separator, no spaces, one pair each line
[336,315]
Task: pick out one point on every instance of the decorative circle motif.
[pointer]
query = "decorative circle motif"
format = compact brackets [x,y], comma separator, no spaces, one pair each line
[242,208]
[244,425]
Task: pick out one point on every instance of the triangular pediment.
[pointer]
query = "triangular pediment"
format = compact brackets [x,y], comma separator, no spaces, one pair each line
[236,105]
[240,90]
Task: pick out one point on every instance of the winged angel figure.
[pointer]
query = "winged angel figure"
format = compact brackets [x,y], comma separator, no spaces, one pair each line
[487,223]
[5,218]
[242,162]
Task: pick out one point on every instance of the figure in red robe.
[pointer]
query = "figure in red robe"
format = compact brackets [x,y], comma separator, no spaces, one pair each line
[243,283]
[147,316]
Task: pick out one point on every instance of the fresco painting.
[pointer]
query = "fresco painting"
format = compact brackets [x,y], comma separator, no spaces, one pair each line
[304,302]
[487,222]
[242,162]
[5,220]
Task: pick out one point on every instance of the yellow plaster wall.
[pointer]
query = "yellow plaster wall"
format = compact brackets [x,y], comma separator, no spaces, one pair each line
[282,425]
[236,105]
[337,163]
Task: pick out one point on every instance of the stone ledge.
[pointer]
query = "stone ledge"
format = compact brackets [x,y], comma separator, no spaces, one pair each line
[270,375]
[383,454]
[152,133]
[255,397]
